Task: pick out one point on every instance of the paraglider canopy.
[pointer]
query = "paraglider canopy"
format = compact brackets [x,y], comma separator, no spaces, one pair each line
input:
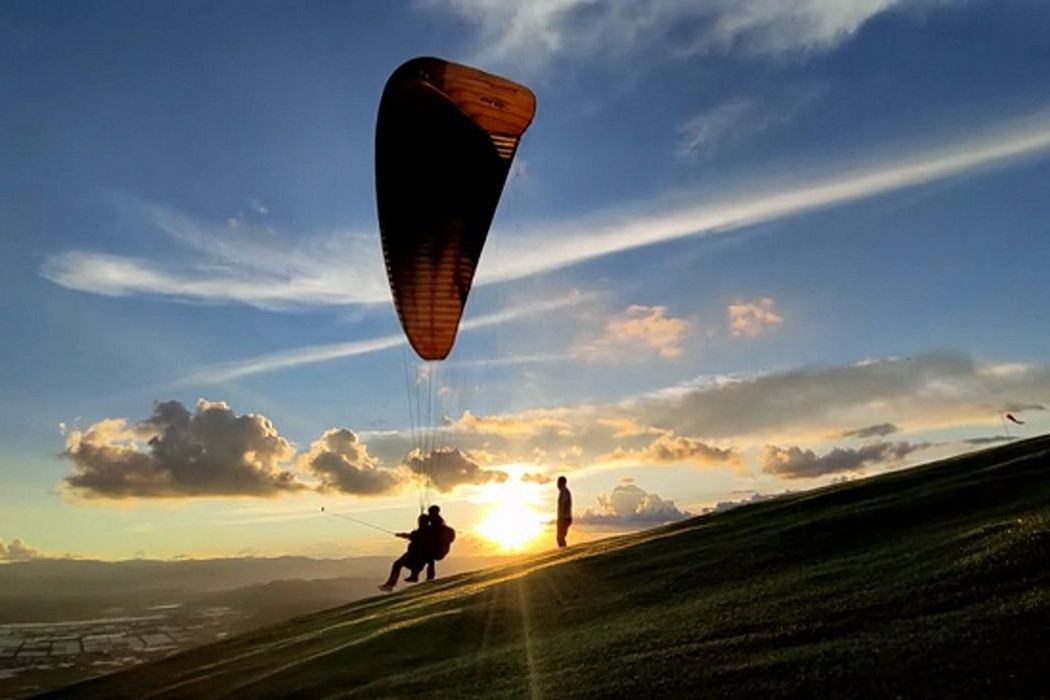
[445,138]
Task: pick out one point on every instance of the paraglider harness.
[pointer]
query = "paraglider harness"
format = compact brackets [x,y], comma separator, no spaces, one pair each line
[443,541]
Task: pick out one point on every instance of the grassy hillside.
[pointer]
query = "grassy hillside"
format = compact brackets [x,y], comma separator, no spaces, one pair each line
[932,581]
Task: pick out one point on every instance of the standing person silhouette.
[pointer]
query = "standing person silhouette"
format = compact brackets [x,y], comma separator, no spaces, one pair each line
[564,510]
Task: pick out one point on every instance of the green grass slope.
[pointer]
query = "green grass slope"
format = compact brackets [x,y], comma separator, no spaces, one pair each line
[933,581]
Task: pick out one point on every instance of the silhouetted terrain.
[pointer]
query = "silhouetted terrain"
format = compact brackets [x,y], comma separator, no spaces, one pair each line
[932,582]
[81,577]
[62,621]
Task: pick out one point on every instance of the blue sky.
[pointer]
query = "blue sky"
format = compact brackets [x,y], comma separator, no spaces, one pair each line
[735,233]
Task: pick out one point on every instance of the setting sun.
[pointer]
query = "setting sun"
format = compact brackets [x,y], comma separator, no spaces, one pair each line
[514,521]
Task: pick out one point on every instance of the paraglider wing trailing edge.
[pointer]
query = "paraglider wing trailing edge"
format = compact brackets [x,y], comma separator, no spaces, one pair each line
[446,135]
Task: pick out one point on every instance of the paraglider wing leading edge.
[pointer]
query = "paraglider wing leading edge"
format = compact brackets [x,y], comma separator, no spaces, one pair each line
[445,138]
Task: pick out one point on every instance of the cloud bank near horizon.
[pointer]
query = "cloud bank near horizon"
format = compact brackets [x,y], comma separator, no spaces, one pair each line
[797,424]
[629,505]
[18,550]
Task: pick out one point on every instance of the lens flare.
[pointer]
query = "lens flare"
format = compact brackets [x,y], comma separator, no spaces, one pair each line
[512,522]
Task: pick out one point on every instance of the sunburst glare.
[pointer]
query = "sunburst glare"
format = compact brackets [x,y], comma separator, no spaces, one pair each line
[514,519]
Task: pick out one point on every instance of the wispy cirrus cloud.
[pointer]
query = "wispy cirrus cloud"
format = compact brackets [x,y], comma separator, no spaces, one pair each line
[870,431]
[313,354]
[727,124]
[234,261]
[532,34]
[711,129]
[556,245]
[287,359]
[254,266]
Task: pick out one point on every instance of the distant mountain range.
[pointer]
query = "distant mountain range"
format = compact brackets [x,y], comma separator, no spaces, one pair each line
[60,589]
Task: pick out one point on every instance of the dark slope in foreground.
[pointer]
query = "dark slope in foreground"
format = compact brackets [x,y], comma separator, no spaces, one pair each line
[931,581]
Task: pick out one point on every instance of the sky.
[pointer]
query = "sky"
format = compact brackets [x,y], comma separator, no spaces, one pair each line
[745,248]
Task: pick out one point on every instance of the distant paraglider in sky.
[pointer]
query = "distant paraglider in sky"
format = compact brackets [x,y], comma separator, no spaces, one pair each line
[445,138]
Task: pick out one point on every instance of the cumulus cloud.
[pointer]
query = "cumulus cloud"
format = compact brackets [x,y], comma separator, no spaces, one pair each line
[214,452]
[751,319]
[638,332]
[175,453]
[669,448]
[877,430]
[341,462]
[796,463]
[629,504]
[446,468]
[18,550]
